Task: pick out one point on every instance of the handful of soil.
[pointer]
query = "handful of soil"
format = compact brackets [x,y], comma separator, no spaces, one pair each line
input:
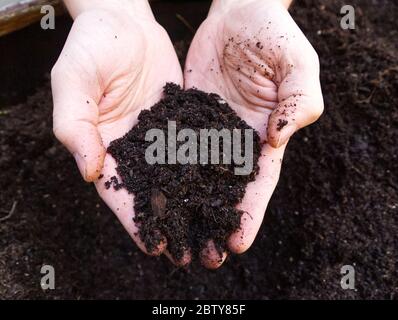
[189,204]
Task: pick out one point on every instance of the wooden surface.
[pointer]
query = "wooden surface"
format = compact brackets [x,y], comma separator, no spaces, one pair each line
[17,14]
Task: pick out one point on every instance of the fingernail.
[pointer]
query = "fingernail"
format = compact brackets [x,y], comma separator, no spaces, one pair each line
[285,134]
[81,164]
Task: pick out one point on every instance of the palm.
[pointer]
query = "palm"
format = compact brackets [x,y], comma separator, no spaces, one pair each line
[114,64]
[242,56]
[122,70]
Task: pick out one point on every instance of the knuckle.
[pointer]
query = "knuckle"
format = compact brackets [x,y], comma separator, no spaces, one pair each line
[55,70]
[61,132]
[317,109]
[310,59]
[57,133]
[311,53]
[314,55]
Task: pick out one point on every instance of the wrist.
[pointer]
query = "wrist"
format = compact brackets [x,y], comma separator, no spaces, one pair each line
[134,7]
[225,5]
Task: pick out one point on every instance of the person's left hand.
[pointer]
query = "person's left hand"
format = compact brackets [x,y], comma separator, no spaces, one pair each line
[255,57]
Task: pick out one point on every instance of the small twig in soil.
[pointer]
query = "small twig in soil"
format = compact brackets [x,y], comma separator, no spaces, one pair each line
[368,99]
[185,22]
[9,213]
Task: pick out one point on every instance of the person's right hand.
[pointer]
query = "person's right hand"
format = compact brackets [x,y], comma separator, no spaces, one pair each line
[115,62]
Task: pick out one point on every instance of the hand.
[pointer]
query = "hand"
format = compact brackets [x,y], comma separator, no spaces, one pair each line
[253,55]
[115,62]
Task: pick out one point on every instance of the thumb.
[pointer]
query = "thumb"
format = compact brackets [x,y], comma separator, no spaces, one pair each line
[300,102]
[75,120]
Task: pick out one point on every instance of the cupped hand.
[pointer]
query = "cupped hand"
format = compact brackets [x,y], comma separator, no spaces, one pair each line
[115,63]
[254,55]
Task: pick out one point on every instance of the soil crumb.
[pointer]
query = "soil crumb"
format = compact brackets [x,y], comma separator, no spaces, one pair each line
[191,203]
[281,124]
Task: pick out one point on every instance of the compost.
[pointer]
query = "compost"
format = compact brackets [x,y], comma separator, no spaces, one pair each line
[191,203]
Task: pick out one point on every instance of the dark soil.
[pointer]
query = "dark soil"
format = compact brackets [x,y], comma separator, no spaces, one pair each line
[336,202]
[189,204]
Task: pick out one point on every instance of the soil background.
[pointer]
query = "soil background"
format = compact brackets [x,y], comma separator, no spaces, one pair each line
[336,203]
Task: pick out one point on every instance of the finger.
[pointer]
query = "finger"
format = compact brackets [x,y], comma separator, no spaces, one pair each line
[300,100]
[184,261]
[211,258]
[122,204]
[257,196]
[75,116]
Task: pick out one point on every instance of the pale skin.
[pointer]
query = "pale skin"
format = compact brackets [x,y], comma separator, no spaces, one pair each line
[117,59]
